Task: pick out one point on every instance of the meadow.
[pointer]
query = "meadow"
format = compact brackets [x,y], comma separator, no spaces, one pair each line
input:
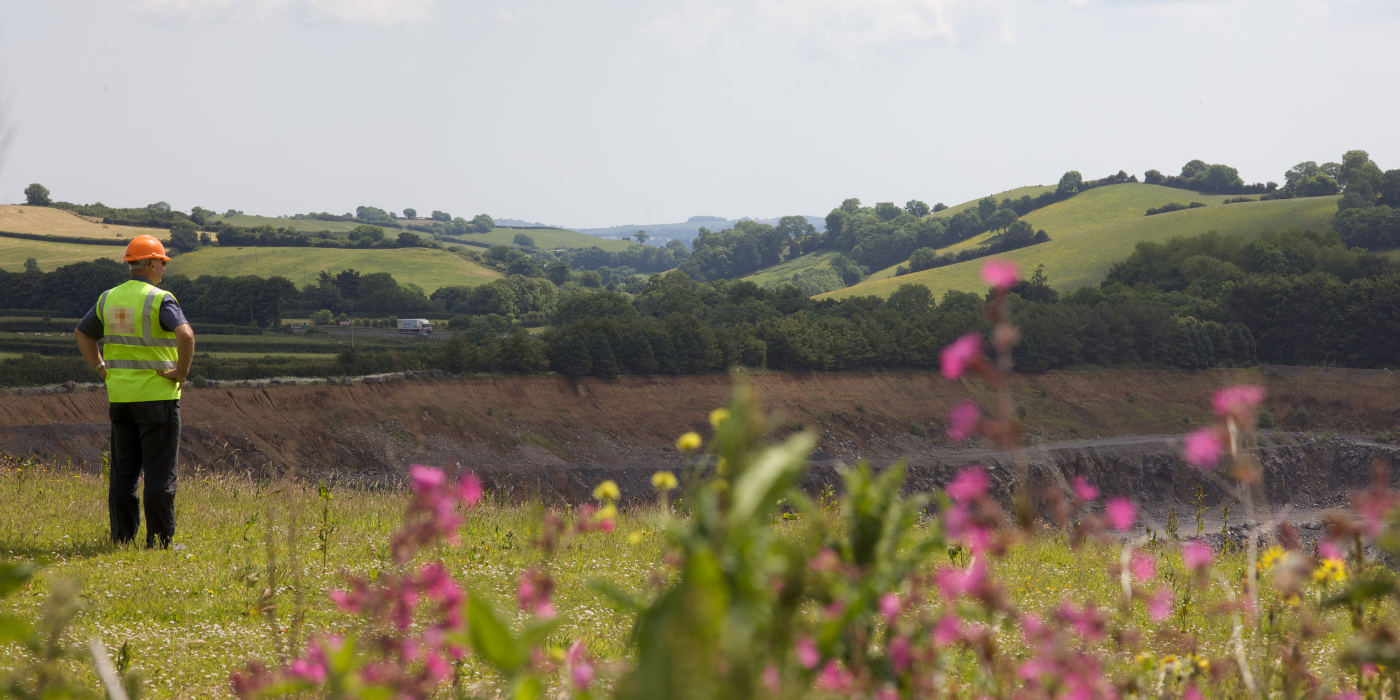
[783,271]
[1092,230]
[20,218]
[547,238]
[50,256]
[192,614]
[425,267]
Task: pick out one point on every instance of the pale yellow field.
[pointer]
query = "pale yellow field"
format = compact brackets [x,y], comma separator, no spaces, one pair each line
[59,222]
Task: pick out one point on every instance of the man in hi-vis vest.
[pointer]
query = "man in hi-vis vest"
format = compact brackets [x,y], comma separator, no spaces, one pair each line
[147,346]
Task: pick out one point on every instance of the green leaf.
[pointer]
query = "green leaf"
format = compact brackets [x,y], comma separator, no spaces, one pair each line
[14,575]
[616,597]
[761,483]
[12,629]
[1361,591]
[536,631]
[527,688]
[492,638]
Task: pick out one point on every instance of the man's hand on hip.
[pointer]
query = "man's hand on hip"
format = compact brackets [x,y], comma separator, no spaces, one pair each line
[177,375]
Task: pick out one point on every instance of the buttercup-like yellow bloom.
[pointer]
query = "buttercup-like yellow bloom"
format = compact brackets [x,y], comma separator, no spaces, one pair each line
[718,417]
[607,491]
[1270,557]
[607,512]
[634,539]
[1330,571]
[689,442]
[663,481]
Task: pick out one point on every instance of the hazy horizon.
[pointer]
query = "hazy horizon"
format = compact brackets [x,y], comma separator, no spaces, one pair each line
[597,116]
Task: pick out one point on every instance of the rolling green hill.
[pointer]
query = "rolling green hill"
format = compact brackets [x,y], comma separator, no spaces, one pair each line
[1091,231]
[14,251]
[251,221]
[425,267]
[547,238]
[1032,191]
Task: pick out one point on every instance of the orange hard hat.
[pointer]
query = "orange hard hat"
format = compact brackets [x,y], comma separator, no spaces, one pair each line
[144,247]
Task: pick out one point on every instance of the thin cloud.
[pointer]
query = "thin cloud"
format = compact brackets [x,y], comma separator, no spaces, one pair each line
[364,12]
[691,27]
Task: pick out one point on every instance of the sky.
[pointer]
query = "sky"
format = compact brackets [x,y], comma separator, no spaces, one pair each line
[589,114]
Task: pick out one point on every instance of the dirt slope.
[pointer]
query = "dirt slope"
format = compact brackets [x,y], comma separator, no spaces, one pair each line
[545,428]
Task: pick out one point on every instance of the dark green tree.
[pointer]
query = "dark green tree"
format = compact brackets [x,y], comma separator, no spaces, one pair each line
[410,213]
[916,208]
[37,195]
[641,236]
[558,272]
[1070,183]
[886,210]
[184,236]
[441,216]
[523,240]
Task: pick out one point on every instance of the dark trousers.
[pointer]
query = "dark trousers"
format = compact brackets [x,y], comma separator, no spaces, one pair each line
[145,438]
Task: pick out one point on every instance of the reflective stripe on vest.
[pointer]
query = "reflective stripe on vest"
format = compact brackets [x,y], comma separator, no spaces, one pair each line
[134,346]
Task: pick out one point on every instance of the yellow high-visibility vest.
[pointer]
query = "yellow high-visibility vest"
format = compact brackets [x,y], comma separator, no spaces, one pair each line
[133,344]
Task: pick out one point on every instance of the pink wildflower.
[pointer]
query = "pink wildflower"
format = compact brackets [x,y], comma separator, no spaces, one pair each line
[833,677]
[1088,622]
[889,607]
[470,488]
[826,560]
[970,483]
[1203,448]
[1196,555]
[962,352]
[1159,606]
[1143,565]
[305,670]
[1083,490]
[1327,550]
[1347,695]
[807,653]
[1000,274]
[1192,693]
[771,678]
[532,594]
[436,668]
[1238,401]
[580,670]
[947,631]
[962,420]
[900,655]
[425,478]
[1121,513]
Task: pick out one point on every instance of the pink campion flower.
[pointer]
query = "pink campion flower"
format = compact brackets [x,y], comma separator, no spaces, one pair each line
[963,419]
[901,657]
[580,669]
[1203,448]
[425,478]
[1121,513]
[436,668]
[1327,550]
[532,594]
[1238,401]
[771,679]
[1142,565]
[955,359]
[887,693]
[307,671]
[1192,693]
[470,488]
[1196,555]
[1347,695]
[807,653]
[1083,490]
[1088,622]
[889,607]
[1032,627]
[826,560]
[833,677]
[948,630]
[1001,274]
[1159,606]
[1369,670]
[970,483]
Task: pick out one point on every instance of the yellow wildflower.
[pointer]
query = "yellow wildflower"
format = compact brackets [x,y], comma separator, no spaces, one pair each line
[634,539]
[607,512]
[718,417]
[663,481]
[1270,557]
[689,442]
[1330,571]
[607,491]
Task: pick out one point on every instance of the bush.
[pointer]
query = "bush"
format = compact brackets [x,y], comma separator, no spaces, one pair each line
[1266,419]
[1300,417]
[1173,206]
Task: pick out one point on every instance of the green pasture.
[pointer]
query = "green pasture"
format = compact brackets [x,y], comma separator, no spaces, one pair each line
[270,356]
[1095,229]
[14,251]
[425,267]
[251,221]
[1032,190]
[783,271]
[547,238]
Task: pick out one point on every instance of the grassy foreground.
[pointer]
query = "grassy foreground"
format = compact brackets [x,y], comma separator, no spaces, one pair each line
[192,614]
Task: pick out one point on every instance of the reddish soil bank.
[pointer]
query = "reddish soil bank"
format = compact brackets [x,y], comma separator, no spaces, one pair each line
[558,436]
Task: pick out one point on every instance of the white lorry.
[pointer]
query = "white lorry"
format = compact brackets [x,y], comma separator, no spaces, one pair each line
[420,326]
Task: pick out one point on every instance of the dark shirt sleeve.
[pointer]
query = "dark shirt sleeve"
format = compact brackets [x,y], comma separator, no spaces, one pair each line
[91,325]
[171,315]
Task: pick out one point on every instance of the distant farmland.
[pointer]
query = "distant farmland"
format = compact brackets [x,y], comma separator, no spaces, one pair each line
[14,251]
[425,267]
[60,222]
[1092,230]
